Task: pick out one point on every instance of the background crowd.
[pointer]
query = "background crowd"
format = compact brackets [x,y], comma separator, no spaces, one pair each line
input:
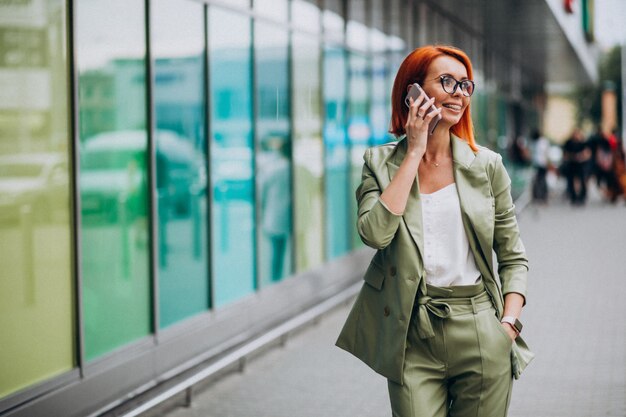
[598,157]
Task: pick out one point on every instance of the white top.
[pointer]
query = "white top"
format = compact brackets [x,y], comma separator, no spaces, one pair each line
[448,258]
[541,150]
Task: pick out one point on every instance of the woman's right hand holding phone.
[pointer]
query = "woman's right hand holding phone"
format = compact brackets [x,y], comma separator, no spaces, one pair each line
[417,124]
[396,194]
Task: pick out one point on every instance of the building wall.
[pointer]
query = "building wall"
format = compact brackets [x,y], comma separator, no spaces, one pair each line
[161,169]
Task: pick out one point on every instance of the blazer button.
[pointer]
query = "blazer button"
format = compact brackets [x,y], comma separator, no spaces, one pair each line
[392,271]
[386,311]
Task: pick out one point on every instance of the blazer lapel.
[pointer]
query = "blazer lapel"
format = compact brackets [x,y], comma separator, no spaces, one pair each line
[474,195]
[476,201]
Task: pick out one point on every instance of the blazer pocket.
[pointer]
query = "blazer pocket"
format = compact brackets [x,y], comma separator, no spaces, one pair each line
[375,276]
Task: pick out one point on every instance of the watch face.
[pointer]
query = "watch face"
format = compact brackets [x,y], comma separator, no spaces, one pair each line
[518,325]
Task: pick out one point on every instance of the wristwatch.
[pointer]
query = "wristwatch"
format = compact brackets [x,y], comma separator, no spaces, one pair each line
[513,321]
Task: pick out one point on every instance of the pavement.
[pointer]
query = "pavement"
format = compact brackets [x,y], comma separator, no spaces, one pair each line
[575,322]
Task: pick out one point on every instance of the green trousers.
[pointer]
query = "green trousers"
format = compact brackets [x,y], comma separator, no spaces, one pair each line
[465,369]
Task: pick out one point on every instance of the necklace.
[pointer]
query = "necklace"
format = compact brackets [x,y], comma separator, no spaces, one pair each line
[432,161]
[436,164]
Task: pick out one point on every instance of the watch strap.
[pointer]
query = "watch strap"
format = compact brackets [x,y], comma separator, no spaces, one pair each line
[513,321]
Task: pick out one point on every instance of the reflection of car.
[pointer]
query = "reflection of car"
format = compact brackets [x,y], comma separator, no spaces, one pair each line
[113,181]
[33,183]
[180,171]
[232,173]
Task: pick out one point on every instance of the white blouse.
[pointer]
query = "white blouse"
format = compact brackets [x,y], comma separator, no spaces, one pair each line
[448,259]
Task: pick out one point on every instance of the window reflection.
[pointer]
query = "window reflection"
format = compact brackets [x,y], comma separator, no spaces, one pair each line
[113,174]
[178,49]
[231,155]
[273,160]
[336,153]
[308,152]
[380,113]
[333,21]
[358,125]
[36,294]
[305,15]
[357,34]
[276,9]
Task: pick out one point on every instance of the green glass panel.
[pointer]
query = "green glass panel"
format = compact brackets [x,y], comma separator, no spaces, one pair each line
[178,50]
[337,168]
[359,130]
[231,155]
[36,283]
[479,117]
[502,116]
[308,152]
[110,52]
[273,159]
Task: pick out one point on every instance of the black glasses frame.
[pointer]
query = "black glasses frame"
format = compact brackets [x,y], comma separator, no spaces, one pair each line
[456,85]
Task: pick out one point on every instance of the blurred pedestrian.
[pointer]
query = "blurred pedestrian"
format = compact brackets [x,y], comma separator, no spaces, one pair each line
[619,165]
[577,156]
[433,316]
[604,148]
[540,159]
[519,153]
[274,184]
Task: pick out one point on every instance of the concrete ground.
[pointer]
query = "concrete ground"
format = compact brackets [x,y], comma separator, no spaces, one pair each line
[575,322]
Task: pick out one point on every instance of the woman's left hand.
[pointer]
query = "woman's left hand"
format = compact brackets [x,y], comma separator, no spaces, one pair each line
[509,330]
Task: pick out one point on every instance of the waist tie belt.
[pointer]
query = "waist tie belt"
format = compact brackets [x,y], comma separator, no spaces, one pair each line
[474,296]
[438,308]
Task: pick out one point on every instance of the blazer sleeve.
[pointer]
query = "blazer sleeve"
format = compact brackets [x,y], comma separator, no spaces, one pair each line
[376,224]
[510,251]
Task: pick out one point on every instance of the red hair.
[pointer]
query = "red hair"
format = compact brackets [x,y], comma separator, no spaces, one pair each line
[413,70]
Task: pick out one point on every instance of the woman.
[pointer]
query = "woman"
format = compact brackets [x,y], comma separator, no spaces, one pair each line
[433,317]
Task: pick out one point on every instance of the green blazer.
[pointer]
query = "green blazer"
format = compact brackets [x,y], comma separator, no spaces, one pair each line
[377,325]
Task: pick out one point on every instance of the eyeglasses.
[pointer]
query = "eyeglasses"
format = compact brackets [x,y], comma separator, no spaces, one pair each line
[450,85]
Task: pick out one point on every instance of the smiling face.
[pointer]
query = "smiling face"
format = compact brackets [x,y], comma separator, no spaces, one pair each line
[454,105]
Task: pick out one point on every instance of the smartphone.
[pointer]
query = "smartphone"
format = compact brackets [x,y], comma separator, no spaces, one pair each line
[414,91]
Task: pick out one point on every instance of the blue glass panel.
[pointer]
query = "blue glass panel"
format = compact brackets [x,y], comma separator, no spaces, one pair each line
[273,160]
[231,155]
[336,153]
[380,113]
[358,126]
[178,48]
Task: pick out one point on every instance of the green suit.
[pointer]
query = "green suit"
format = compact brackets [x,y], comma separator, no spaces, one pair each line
[376,328]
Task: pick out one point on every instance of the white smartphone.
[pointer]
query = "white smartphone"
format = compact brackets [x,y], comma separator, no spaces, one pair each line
[414,91]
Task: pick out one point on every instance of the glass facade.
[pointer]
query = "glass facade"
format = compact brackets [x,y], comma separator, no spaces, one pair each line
[380,94]
[275,9]
[179,113]
[337,169]
[273,153]
[359,128]
[308,152]
[232,155]
[113,183]
[36,281]
[220,160]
